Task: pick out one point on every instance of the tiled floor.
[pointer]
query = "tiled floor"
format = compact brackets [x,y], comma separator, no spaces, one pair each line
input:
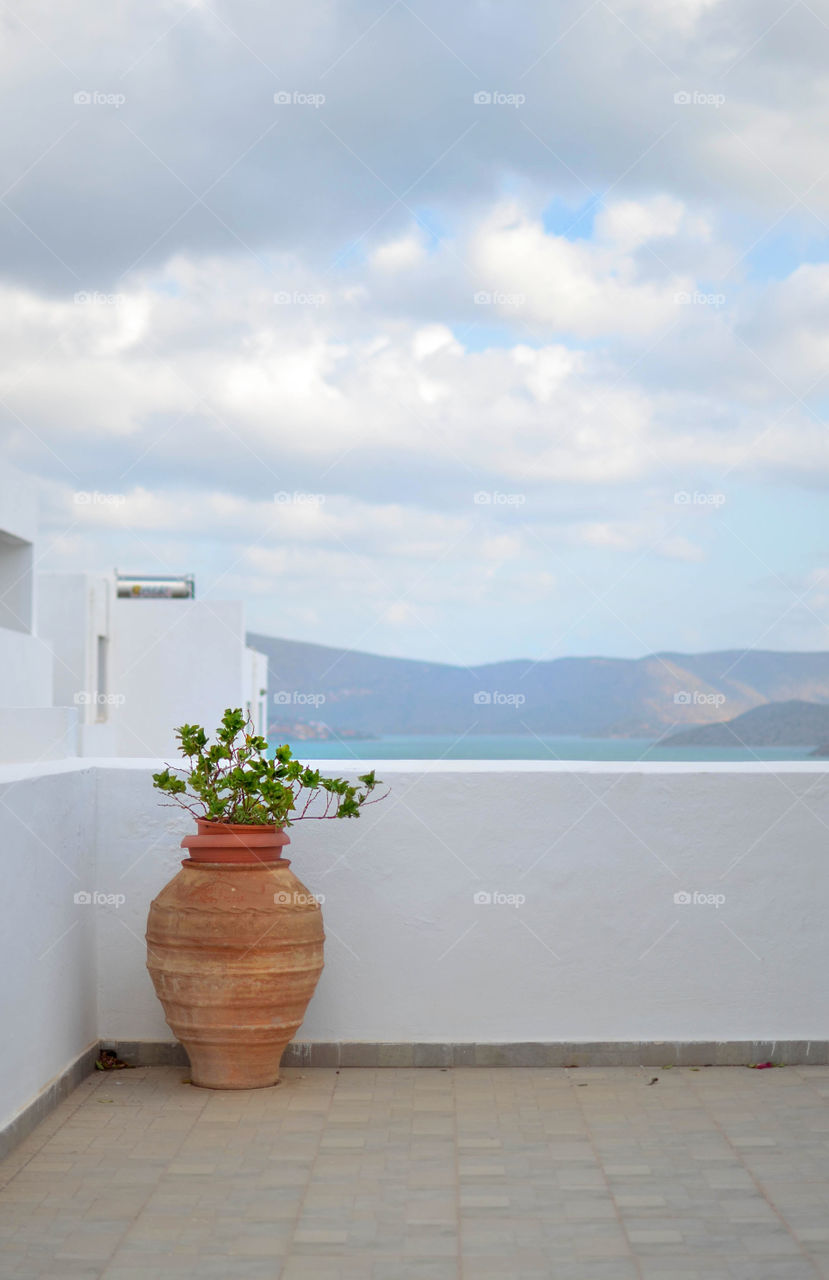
[514,1174]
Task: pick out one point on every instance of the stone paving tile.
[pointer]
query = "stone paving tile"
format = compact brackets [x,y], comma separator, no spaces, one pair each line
[426,1173]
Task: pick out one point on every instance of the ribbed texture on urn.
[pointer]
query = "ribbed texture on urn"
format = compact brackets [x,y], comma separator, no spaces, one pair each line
[234,842]
[235,951]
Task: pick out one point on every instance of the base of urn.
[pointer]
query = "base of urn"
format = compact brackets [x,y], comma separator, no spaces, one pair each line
[225,1064]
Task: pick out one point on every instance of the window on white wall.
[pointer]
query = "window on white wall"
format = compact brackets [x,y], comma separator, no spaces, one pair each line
[16,569]
[101,679]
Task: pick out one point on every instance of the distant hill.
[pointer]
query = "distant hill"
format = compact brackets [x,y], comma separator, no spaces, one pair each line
[777,724]
[588,697]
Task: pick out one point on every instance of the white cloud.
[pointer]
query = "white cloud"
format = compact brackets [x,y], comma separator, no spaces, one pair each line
[432,338]
[661,17]
[214,380]
[399,255]
[580,287]
[629,224]
[653,536]
[789,324]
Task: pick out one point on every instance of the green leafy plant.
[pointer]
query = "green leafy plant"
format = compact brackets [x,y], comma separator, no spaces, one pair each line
[234,780]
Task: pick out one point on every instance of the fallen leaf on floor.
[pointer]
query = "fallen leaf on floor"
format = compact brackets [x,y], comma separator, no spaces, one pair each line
[654,1081]
[763,1066]
[109,1061]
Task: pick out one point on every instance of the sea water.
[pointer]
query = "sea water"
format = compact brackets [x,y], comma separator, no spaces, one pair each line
[504,746]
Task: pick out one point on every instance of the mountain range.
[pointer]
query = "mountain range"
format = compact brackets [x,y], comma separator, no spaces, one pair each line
[775,724]
[369,695]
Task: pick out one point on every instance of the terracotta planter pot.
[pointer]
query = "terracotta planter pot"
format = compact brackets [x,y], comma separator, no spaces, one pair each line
[235,950]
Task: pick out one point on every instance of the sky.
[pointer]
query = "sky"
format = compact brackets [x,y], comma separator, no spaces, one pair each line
[457,332]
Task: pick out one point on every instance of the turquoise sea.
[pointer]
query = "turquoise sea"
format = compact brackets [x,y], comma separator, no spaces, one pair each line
[527,747]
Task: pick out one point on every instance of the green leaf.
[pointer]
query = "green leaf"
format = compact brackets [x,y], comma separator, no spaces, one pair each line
[234,779]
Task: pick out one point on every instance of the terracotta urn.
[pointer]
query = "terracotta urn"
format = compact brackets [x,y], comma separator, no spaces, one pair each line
[235,951]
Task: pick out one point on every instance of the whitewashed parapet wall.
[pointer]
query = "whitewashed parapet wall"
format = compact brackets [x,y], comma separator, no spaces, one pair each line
[48,943]
[499,902]
[482,902]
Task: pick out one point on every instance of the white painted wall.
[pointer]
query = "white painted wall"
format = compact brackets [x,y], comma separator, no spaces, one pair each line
[256,689]
[18,530]
[25,661]
[174,662]
[599,949]
[48,995]
[25,670]
[38,733]
[164,662]
[74,610]
[16,583]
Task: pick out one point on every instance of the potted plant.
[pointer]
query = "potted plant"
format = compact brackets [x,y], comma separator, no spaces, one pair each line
[234,940]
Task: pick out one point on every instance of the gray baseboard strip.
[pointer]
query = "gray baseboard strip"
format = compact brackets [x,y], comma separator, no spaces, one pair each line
[687,1053]
[46,1101]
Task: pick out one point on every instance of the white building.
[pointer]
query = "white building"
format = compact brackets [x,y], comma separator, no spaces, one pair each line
[102,675]
[136,668]
[31,726]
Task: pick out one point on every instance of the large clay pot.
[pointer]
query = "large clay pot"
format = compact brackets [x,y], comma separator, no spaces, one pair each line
[234,949]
